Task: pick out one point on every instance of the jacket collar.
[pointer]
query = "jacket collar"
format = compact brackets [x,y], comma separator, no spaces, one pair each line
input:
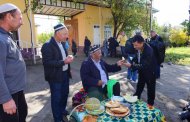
[101,63]
[52,40]
[4,31]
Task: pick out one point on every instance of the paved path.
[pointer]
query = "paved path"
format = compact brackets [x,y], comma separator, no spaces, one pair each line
[172,89]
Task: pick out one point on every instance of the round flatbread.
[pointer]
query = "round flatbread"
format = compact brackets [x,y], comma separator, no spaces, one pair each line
[119,110]
[111,113]
[112,104]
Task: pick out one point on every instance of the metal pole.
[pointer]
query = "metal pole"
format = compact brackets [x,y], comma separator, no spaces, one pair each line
[32,34]
[189,22]
[151,15]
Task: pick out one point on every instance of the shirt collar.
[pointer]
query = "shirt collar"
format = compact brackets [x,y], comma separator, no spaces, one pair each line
[58,43]
[95,62]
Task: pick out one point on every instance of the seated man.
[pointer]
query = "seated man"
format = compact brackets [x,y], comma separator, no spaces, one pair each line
[94,74]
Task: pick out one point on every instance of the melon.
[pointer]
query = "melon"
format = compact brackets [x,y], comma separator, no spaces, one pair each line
[92,104]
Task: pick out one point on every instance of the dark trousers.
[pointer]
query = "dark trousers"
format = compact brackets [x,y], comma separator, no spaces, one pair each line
[151,84]
[59,95]
[86,51]
[101,94]
[113,52]
[20,115]
[157,71]
[74,53]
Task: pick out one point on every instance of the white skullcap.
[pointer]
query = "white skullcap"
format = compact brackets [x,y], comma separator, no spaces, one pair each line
[7,7]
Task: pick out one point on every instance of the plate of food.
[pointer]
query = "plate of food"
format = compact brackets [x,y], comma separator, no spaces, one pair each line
[120,111]
[130,98]
[90,118]
[96,111]
[112,104]
[117,98]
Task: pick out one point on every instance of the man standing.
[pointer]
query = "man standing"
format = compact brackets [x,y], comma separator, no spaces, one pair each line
[131,53]
[13,107]
[57,71]
[87,45]
[145,63]
[158,46]
[122,40]
[94,74]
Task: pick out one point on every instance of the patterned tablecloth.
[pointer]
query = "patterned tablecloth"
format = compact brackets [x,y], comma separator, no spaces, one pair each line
[139,113]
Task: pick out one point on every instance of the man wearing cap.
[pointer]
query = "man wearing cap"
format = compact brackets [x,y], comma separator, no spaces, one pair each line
[57,71]
[94,74]
[13,107]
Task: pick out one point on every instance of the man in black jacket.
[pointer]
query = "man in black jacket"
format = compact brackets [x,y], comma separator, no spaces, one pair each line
[57,71]
[158,47]
[145,64]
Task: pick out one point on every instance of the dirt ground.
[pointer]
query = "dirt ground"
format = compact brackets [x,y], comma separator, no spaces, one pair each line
[171,89]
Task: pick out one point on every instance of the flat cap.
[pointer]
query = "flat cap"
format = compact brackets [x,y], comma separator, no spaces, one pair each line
[7,7]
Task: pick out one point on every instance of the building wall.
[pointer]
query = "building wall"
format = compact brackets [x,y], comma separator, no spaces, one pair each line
[24,31]
[93,15]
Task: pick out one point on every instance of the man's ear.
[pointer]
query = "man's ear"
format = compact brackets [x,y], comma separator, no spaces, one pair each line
[9,17]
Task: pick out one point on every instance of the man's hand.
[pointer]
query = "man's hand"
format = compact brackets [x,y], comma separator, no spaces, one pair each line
[100,83]
[10,107]
[68,59]
[120,62]
[127,65]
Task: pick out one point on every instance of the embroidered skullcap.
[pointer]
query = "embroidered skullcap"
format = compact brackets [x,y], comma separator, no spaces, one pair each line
[59,27]
[94,48]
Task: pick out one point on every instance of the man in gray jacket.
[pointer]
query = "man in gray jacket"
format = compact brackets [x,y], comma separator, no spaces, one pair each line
[13,107]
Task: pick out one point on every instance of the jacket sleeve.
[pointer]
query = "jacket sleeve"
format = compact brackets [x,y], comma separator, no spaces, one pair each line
[86,77]
[144,62]
[48,58]
[5,95]
[111,68]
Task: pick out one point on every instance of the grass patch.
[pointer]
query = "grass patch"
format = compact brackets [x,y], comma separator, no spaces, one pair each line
[178,55]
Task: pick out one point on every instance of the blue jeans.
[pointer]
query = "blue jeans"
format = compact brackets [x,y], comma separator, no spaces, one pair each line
[157,71]
[123,53]
[131,74]
[59,95]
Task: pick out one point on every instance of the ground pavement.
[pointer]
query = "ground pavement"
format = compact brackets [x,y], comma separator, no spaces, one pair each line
[172,89]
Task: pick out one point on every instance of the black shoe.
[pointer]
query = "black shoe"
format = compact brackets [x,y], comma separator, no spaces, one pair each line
[65,113]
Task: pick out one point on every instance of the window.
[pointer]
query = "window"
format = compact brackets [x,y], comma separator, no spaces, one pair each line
[107,31]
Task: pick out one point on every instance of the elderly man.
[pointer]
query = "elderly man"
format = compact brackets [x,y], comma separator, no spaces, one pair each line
[57,71]
[94,74]
[145,63]
[13,107]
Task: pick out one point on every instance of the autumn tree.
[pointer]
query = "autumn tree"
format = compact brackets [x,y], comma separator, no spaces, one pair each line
[178,37]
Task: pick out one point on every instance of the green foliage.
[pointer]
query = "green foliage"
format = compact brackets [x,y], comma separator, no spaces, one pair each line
[33,5]
[186,25]
[179,55]
[44,37]
[127,14]
[178,37]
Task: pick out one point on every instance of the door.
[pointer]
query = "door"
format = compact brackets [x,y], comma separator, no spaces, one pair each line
[96,35]
[72,26]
